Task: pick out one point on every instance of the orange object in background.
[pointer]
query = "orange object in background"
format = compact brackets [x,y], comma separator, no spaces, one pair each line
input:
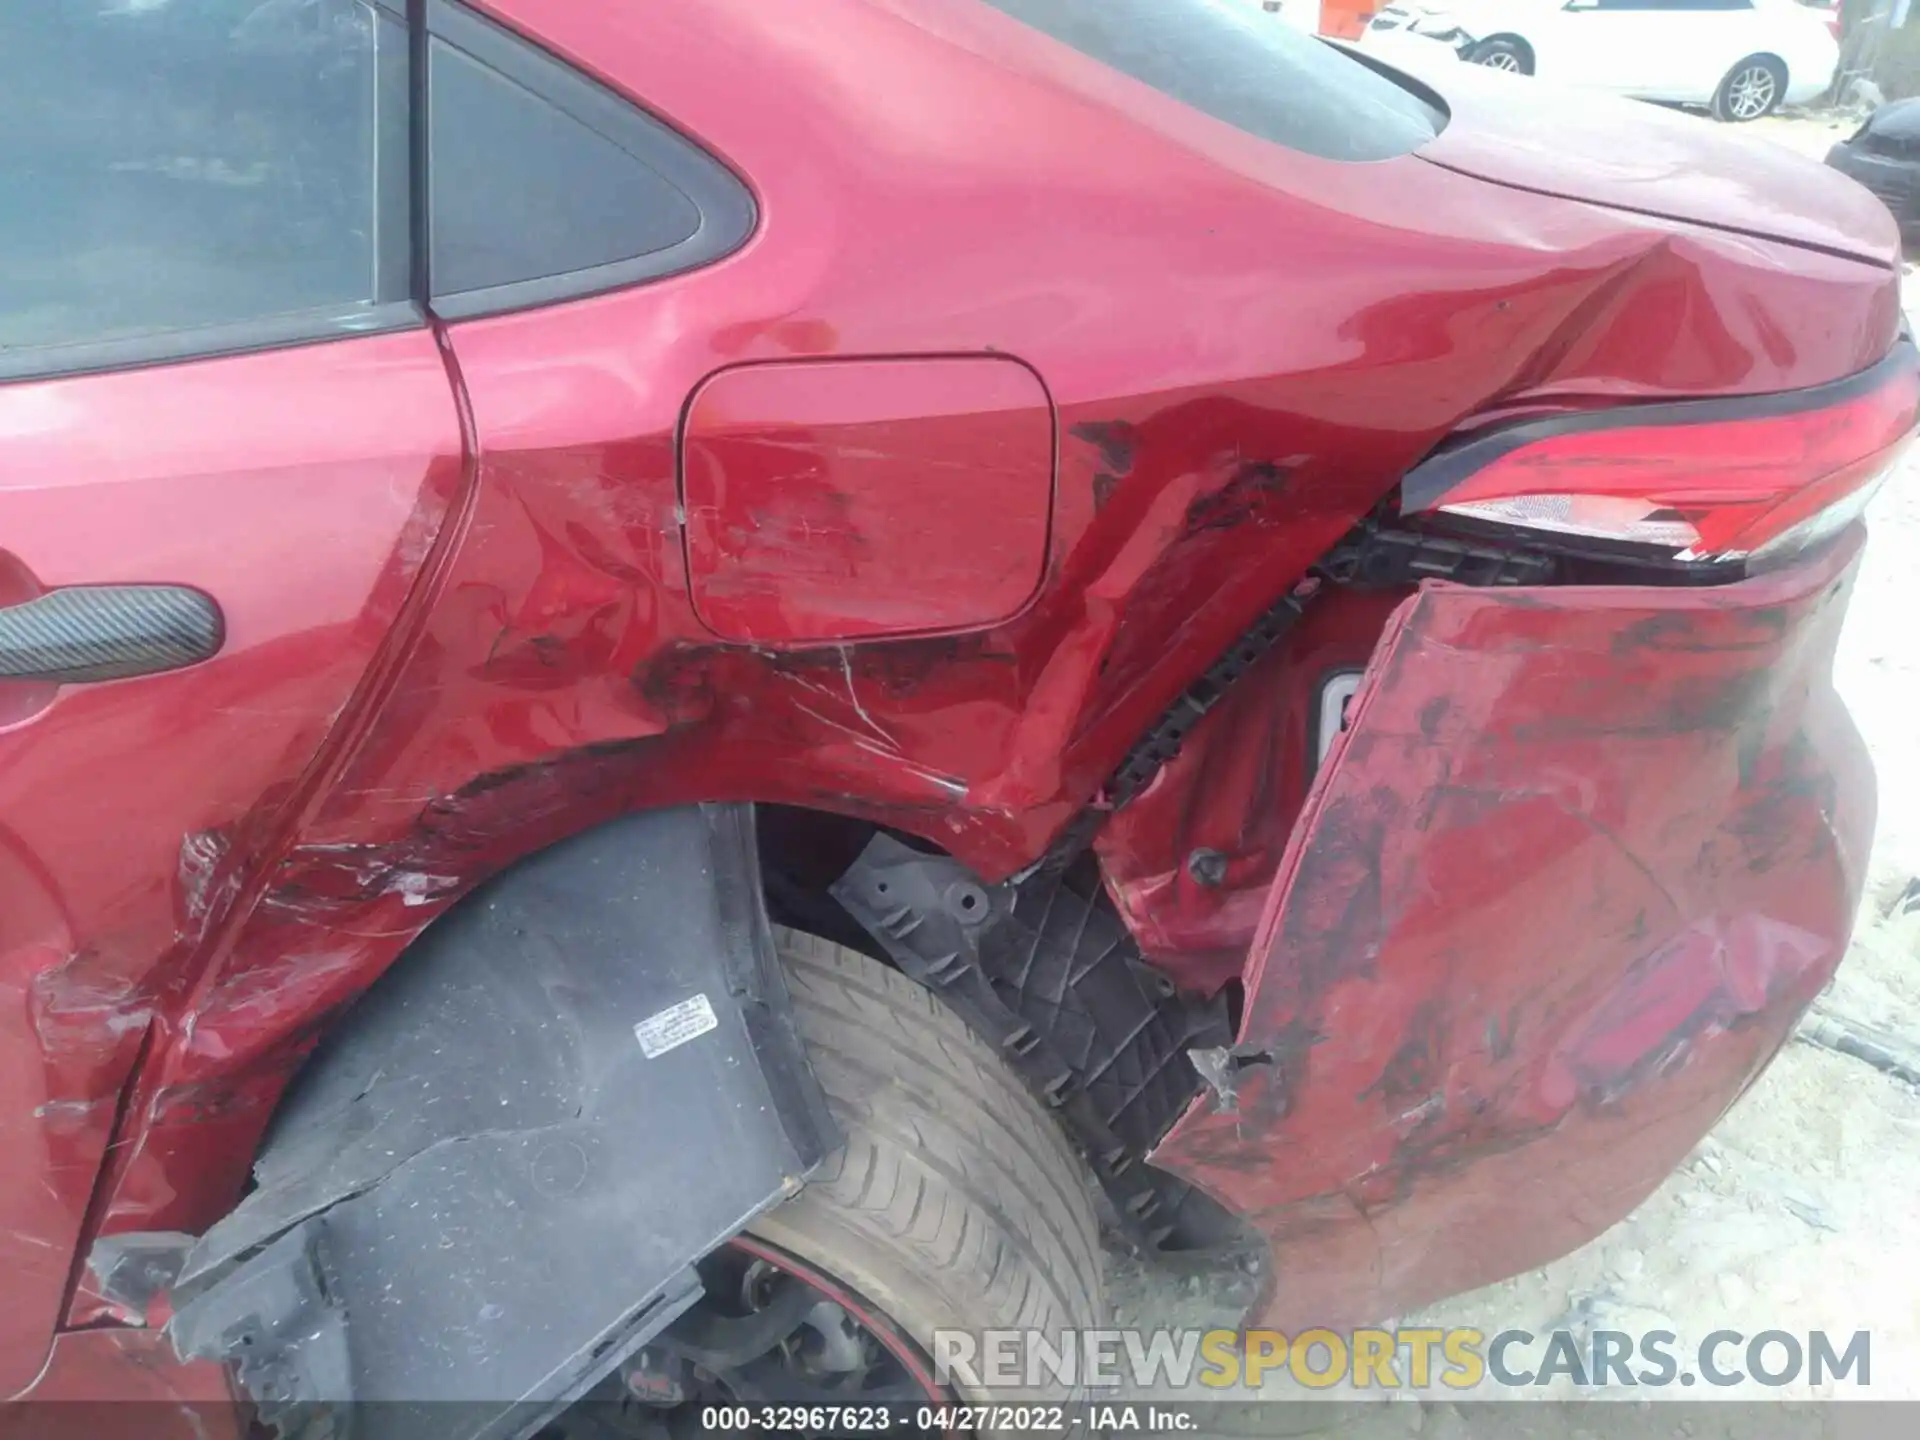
[1345,19]
[1341,19]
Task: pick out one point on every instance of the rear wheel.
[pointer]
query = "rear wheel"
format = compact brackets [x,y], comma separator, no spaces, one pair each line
[955,1204]
[1503,52]
[1751,89]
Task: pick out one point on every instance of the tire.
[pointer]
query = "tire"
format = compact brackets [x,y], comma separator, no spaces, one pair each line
[1753,88]
[956,1203]
[1502,53]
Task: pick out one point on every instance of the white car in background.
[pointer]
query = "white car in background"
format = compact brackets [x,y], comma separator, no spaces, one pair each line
[1740,58]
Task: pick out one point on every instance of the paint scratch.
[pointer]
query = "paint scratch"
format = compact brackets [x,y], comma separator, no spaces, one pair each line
[853,698]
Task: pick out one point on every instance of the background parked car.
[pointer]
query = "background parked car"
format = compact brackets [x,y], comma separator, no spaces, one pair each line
[1884,156]
[1741,58]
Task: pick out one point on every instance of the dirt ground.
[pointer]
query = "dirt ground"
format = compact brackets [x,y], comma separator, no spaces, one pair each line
[1802,1210]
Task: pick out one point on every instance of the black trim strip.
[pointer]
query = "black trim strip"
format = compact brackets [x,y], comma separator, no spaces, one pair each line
[419,198]
[393,164]
[1429,482]
[209,342]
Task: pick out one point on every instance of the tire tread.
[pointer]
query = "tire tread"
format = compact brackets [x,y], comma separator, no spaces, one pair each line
[956,1201]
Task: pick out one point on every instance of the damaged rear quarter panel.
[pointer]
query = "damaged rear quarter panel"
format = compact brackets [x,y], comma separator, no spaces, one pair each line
[1305,345]
[1561,892]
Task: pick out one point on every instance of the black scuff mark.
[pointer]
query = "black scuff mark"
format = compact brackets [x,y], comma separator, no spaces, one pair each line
[1250,495]
[1118,442]
[691,683]
[1119,445]
[1345,861]
[510,659]
[1775,800]
[1331,931]
[1418,1063]
[1678,632]
[540,799]
[1717,703]
[899,667]
[1750,745]
[1503,1030]
[679,684]
[1448,1140]
[1729,705]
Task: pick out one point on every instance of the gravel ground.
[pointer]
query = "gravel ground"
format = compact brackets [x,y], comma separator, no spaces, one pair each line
[1799,1212]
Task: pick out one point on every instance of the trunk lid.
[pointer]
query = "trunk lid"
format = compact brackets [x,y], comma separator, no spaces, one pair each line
[1514,131]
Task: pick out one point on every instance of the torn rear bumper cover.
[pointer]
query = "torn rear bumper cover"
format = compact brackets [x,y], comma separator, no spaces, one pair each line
[1564,888]
[491,1183]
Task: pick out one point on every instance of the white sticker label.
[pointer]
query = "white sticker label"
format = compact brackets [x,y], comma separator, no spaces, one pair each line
[674,1026]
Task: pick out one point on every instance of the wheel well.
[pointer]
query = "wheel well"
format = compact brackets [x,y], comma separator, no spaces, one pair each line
[1045,970]
[1767,55]
[1517,41]
[802,853]
[502,1072]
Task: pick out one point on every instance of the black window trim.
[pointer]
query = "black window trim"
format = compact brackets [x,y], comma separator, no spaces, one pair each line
[209,342]
[728,214]
[402,297]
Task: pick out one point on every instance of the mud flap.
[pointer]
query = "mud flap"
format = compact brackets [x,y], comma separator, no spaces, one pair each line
[490,1184]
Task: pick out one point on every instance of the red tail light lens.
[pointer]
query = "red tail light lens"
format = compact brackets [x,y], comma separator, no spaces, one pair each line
[1759,477]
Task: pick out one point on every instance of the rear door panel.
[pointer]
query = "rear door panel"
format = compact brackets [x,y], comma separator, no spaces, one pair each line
[213,378]
[301,490]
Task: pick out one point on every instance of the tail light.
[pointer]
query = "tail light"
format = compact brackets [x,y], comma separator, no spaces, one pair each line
[1757,478]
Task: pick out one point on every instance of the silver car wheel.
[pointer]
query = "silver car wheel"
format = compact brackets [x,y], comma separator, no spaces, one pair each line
[1750,93]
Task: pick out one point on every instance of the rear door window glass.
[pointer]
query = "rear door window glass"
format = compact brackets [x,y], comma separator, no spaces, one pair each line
[190,176]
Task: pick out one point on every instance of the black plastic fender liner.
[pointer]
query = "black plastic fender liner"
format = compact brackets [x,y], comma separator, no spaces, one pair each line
[490,1183]
[1055,981]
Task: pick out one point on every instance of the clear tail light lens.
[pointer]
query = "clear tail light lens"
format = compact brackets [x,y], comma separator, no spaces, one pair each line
[1760,477]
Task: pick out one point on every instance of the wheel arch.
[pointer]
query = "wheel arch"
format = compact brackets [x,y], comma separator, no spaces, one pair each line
[535,820]
[1786,70]
[580,1080]
[1518,41]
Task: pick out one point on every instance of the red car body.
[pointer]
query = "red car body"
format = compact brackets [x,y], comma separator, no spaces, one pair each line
[1031,391]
